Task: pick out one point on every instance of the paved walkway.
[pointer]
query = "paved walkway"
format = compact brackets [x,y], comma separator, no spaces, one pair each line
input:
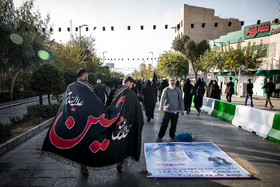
[23,165]
[258,101]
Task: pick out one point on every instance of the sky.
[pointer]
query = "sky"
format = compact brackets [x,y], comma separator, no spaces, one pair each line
[136,43]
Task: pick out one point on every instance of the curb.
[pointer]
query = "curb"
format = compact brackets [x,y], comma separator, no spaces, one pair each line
[21,102]
[10,144]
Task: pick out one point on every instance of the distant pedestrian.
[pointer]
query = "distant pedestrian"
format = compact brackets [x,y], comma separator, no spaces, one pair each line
[214,90]
[178,84]
[199,92]
[269,89]
[163,85]
[188,93]
[229,89]
[277,89]
[249,90]
[208,88]
[150,99]
[171,104]
[204,83]
[101,91]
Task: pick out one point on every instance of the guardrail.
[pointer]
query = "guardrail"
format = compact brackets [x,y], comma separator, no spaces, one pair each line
[264,123]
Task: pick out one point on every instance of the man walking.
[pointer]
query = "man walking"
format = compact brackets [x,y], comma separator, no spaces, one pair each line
[171,103]
[269,89]
[249,89]
[229,89]
[100,91]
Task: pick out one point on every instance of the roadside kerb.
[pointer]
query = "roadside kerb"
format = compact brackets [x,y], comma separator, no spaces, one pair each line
[274,133]
[10,144]
[253,120]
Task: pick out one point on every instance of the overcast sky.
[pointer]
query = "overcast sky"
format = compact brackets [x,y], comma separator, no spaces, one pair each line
[137,43]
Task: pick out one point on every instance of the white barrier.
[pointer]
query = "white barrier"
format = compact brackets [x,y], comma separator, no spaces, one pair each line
[208,105]
[252,119]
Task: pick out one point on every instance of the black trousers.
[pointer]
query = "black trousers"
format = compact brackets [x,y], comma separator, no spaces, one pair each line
[229,97]
[165,120]
[268,99]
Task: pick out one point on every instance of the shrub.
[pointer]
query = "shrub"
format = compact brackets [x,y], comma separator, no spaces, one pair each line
[69,76]
[29,93]
[5,131]
[35,115]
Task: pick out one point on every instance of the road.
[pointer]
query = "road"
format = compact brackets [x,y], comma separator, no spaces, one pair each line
[23,165]
[19,107]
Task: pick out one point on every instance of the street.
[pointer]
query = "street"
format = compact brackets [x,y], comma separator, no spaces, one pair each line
[24,166]
[19,107]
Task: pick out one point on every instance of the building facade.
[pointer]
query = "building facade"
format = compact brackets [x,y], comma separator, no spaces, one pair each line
[201,23]
[267,36]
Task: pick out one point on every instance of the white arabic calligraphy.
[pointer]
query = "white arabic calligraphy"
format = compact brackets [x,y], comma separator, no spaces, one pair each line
[75,102]
[123,131]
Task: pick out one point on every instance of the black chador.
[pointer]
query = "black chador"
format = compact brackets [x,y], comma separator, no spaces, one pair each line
[150,99]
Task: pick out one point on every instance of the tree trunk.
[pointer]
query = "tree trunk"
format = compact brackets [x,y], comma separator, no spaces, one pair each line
[13,77]
[40,98]
[195,71]
[49,99]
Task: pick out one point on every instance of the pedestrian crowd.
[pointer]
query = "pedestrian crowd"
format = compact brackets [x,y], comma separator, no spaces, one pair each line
[173,97]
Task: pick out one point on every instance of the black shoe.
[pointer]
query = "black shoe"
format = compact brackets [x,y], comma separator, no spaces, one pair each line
[159,140]
[84,170]
[271,107]
[265,106]
[148,119]
[173,139]
[119,166]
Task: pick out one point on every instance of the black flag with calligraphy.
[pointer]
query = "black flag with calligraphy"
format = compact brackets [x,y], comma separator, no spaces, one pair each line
[86,132]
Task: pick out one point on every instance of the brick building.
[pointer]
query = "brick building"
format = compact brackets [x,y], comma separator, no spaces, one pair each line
[201,23]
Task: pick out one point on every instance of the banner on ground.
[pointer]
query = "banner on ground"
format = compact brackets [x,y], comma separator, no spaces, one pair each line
[190,160]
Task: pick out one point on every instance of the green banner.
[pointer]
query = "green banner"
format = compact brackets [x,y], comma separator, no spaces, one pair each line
[257,30]
[274,27]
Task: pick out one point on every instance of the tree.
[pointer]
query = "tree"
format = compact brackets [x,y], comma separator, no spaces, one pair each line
[92,63]
[69,76]
[213,60]
[233,59]
[71,57]
[173,64]
[19,40]
[144,72]
[191,50]
[247,58]
[47,79]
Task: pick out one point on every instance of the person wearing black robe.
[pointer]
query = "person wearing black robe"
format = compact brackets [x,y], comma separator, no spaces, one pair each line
[101,91]
[150,99]
[163,85]
[188,93]
[208,88]
[214,91]
[199,92]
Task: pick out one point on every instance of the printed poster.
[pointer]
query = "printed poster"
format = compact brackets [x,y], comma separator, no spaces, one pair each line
[193,160]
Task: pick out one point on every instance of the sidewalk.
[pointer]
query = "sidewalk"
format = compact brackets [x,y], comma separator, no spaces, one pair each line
[23,165]
[258,101]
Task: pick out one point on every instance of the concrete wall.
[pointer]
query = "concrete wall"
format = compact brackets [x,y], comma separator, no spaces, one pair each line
[197,16]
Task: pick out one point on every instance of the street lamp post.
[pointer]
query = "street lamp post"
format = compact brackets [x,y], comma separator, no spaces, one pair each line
[103,55]
[80,26]
[152,58]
